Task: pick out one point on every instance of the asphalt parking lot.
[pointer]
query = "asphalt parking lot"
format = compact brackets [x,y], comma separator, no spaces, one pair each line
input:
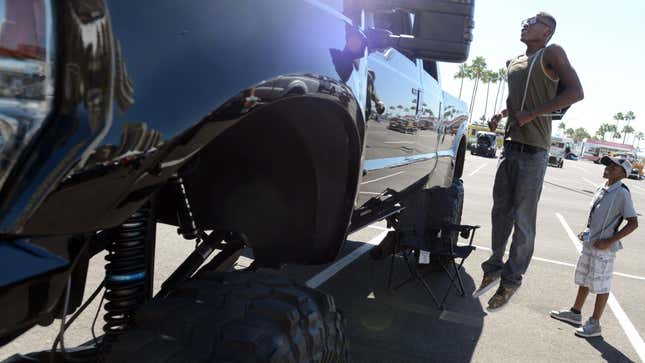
[406,327]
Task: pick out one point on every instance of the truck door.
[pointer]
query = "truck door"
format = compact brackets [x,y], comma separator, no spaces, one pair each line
[397,87]
[391,136]
[453,116]
[430,106]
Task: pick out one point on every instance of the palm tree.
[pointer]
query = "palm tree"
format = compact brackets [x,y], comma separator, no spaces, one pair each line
[462,73]
[570,132]
[502,100]
[501,79]
[600,133]
[580,134]
[488,78]
[627,130]
[618,117]
[477,70]
[629,115]
[639,136]
[604,129]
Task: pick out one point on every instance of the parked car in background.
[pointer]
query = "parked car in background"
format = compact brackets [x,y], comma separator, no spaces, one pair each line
[560,147]
[638,165]
[485,145]
[571,156]
[635,174]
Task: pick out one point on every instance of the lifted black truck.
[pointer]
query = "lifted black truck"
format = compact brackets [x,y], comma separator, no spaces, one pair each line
[249,119]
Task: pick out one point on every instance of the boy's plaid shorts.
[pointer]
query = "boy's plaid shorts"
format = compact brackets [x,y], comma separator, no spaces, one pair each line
[594,269]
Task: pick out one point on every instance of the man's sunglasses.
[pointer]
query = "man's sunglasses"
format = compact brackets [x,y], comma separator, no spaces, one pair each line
[532,21]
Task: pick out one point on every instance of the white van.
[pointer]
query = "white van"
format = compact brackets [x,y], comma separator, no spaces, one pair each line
[560,146]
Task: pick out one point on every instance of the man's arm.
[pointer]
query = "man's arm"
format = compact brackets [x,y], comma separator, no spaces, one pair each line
[632,224]
[556,59]
[380,106]
[492,124]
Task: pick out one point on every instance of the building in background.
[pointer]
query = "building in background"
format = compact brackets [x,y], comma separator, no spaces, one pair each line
[594,149]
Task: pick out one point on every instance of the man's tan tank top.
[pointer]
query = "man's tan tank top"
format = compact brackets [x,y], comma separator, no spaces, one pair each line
[541,90]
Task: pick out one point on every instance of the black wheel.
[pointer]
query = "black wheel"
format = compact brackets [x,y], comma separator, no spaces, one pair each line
[236,317]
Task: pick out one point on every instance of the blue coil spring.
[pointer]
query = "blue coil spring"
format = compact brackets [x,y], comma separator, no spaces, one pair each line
[125,273]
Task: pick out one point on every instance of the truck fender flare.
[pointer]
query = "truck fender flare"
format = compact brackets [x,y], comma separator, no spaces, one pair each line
[286,175]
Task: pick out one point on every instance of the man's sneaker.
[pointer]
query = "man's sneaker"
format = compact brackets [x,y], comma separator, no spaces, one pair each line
[567,315]
[590,329]
[488,282]
[501,297]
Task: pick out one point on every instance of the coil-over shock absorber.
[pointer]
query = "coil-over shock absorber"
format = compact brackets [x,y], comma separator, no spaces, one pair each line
[187,226]
[125,272]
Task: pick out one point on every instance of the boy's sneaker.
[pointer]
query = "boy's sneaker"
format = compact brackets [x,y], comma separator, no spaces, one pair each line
[590,329]
[567,315]
[488,282]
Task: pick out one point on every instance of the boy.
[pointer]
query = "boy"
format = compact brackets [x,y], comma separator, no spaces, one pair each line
[600,242]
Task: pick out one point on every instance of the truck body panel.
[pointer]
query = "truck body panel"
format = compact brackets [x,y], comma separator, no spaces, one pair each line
[258,106]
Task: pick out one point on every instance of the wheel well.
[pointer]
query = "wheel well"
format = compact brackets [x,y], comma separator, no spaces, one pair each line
[286,176]
[460,159]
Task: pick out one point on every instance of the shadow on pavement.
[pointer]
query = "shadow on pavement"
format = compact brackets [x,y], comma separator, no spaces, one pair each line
[404,326]
[608,351]
[584,192]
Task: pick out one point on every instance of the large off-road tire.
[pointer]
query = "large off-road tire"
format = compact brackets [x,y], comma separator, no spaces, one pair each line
[236,317]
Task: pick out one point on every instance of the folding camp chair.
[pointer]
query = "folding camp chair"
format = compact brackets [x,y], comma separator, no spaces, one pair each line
[450,253]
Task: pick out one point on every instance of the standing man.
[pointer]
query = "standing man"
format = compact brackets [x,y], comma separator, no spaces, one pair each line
[518,182]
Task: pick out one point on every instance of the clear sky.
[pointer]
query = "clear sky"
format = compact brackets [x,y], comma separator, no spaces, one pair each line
[604,40]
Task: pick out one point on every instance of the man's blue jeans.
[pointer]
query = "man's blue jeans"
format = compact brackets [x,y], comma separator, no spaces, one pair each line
[517,189]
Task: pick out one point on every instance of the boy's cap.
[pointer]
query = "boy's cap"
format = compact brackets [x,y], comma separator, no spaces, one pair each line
[623,163]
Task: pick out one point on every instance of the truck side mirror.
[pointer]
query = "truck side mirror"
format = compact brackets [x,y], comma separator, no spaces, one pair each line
[442,29]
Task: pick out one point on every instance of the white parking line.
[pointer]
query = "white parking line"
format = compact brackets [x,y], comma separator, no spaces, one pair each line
[381,178]
[330,271]
[559,262]
[478,169]
[631,332]
[579,168]
[534,257]
[590,182]
[572,236]
[629,276]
